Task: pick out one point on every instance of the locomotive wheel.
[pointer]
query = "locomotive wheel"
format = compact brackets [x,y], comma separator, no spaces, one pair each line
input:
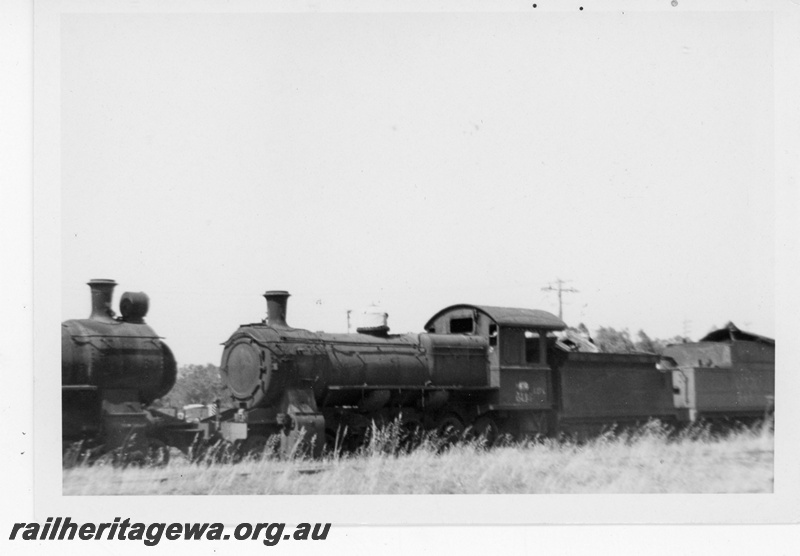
[411,435]
[450,429]
[486,428]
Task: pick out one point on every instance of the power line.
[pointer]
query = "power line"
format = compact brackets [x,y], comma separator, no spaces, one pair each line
[560,289]
[687,328]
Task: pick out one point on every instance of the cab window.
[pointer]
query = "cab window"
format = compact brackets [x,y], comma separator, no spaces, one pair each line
[535,347]
[461,326]
[512,346]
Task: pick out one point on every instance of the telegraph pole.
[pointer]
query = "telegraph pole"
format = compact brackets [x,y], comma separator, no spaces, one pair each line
[560,289]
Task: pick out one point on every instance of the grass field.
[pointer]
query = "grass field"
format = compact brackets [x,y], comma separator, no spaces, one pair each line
[646,461]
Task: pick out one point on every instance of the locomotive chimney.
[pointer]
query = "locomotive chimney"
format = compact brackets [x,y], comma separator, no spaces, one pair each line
[102,290]
[276,308]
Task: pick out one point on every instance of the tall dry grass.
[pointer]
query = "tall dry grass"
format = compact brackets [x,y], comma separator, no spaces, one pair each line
[651,459]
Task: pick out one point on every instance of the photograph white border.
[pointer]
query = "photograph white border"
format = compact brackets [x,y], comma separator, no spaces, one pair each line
[779,507]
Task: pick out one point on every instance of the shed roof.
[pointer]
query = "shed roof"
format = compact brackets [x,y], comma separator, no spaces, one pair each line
[732,333]
[509,316]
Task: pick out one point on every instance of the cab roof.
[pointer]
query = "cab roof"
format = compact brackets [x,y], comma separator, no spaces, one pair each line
[508,316]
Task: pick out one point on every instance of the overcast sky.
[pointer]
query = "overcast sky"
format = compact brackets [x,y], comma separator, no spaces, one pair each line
[419,160]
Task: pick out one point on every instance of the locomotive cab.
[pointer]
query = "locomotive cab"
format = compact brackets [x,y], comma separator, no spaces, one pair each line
[521,375]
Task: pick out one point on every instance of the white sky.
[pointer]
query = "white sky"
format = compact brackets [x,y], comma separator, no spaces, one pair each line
[416,161]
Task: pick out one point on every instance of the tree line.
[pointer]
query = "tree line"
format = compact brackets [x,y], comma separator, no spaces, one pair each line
[197,384]
[610,340]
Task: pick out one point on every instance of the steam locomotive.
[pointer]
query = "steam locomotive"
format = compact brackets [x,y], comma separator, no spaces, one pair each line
[491,371]
[112,369]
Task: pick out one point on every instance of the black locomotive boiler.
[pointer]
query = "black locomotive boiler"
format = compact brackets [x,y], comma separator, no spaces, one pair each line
[493,370]
[112,368]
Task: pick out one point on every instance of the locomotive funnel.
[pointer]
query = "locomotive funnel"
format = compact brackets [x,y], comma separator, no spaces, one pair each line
[102,291]
[276,308]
